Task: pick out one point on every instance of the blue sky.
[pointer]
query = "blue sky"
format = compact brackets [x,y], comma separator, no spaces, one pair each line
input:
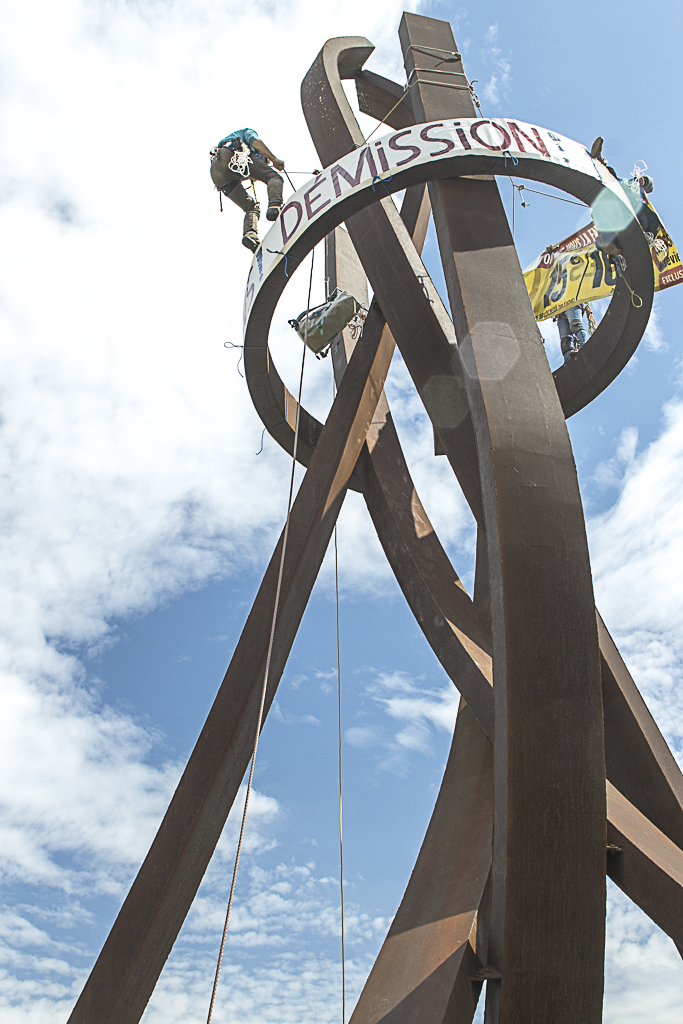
[137,518]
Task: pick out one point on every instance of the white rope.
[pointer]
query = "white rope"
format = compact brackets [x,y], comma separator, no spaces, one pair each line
[341,834]
[267,670]
[240,160]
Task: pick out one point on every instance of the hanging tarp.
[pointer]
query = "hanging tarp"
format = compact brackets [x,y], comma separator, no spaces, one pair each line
[575,270]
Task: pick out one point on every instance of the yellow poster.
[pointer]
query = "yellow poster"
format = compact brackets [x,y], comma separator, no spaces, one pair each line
[575,270]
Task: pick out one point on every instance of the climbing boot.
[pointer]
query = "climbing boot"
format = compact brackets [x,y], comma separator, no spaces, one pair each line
[250,239]
[596,149]
[273,212]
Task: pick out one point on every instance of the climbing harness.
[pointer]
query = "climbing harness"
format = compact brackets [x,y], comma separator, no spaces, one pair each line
[276,608]
[318,327]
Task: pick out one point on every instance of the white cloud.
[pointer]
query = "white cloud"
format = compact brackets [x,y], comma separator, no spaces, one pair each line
[419,710]
[637,551]
[128,437]
[644,971]
[653,339]
[125,428]
[496,88]
[610,472]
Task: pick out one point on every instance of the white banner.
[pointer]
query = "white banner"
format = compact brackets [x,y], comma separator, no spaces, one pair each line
[383,159]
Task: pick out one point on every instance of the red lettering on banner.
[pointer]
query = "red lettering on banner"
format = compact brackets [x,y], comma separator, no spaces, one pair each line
[382,156]
[538,145]
[365,154]
[294,205]
[448,143]
[309,201]
[461,135]
[671,277]
[393,144]
[475,135]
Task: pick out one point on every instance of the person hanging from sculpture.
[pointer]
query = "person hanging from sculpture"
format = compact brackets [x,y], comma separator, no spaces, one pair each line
[572,333]
[244,157]
[637,189]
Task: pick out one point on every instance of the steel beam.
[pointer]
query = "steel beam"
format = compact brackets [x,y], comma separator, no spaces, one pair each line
[548,887]
[133,956]
[645,864]
[428,952]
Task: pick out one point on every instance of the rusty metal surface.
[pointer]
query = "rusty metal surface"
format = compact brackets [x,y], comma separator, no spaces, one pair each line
[645,864]
[138,945]
[428,950]
[639,762]
[548,880]
[610,346]
[532,611]
[435,594]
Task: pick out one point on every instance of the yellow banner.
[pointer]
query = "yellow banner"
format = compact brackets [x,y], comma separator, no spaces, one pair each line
[576,271]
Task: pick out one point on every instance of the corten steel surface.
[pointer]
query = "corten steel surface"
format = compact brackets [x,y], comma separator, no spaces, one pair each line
[548,876]
[528,764]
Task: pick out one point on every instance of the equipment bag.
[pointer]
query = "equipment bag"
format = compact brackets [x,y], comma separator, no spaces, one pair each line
[320,326]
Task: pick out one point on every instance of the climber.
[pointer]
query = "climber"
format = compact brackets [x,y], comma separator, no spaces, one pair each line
[637,189]
[572,334]
[239,157]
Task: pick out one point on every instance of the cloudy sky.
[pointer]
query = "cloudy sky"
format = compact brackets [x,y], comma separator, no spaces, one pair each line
[137,517]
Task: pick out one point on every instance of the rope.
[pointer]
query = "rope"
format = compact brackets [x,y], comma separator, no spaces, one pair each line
[276,607]
[513,209]
[560,199]
[377,178]
[620,265]
[422,48]
[475,98]
[287,256]
[341,836]
[406,90]
[240,160]
[409,85]
[435,71]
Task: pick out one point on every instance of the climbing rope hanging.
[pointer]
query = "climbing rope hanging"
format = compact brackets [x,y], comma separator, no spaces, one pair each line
[341,831]
[266,673]
[339,749]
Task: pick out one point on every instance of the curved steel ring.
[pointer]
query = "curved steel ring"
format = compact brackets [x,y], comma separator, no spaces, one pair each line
[577,382]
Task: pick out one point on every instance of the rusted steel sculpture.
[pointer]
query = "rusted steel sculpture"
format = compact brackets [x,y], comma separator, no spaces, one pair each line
[557,774]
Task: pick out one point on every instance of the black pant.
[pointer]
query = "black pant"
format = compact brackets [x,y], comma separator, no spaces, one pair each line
[230,183]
